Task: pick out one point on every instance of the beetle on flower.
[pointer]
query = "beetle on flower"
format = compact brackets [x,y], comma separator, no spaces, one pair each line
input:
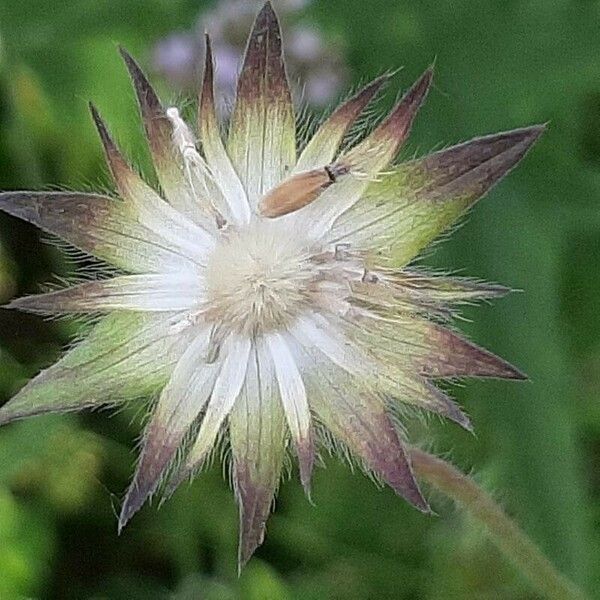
[265,291]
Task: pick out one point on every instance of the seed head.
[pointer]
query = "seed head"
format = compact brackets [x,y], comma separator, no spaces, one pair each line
[268,287]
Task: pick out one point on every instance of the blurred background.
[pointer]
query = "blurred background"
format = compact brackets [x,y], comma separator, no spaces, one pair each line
[537,445]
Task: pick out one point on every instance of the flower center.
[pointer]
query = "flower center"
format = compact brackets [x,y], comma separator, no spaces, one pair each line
[258,280]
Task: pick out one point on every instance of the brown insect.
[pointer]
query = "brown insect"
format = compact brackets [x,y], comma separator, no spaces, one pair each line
[299,190]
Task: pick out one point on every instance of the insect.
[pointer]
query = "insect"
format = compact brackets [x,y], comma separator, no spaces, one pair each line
[299,190]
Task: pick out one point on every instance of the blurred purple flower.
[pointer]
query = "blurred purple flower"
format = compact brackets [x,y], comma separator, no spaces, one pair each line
[174,55]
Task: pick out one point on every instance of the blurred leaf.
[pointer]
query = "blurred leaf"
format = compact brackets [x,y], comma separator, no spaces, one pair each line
[26,545]
[260,582]
[197,587]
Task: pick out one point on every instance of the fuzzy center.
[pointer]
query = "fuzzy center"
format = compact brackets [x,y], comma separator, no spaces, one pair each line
[258,280]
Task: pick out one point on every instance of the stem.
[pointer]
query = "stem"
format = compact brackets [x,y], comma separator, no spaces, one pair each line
[505,533]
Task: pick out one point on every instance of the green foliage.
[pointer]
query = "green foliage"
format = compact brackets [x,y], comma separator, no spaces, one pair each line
[499,65]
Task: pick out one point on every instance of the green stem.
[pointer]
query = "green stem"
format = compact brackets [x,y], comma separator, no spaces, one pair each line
[505,533]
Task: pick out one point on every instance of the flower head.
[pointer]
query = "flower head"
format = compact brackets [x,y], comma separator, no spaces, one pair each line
[264,291]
